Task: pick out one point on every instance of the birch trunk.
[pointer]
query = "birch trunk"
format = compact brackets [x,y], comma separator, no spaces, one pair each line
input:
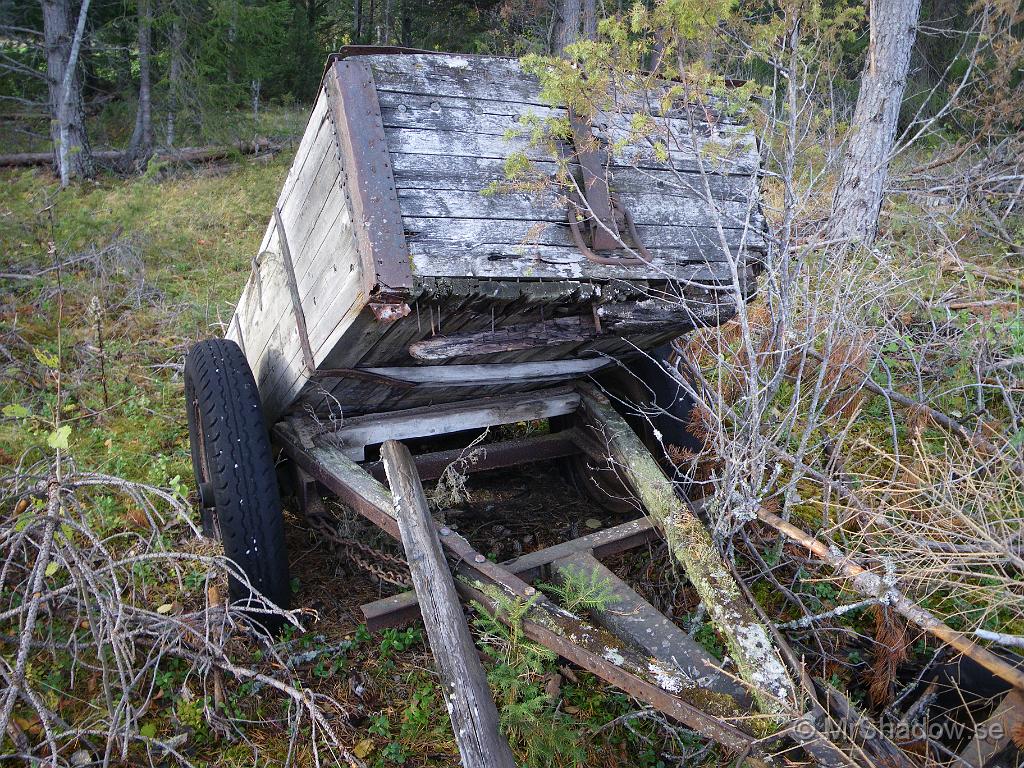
[858,197]
[72,156]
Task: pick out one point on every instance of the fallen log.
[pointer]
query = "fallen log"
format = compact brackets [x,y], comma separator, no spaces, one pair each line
[183,156]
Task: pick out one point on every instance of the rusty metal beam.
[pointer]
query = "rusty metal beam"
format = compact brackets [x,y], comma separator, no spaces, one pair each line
[370,183]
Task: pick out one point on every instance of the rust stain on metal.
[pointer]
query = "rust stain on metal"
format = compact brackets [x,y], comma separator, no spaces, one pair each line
[389,312]
[371,184]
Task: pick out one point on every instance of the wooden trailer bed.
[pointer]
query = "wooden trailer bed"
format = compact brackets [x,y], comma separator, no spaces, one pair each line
[394,274]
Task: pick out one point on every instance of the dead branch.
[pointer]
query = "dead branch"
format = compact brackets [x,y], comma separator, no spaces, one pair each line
[871,585]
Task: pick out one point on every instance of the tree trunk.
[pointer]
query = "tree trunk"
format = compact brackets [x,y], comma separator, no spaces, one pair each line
[858,197]
[357,19]
[407,23]
[72,155]
[384,36]
[567,29]
[590,19]
[174,76]
[141,146]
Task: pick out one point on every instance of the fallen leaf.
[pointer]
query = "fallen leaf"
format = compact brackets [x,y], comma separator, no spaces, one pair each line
[592,523]
[165,609]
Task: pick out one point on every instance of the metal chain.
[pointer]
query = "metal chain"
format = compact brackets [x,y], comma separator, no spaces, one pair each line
[384,565]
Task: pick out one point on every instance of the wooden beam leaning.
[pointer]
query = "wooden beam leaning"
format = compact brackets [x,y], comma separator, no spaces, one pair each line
[472,711]
[629,615]
[757,659]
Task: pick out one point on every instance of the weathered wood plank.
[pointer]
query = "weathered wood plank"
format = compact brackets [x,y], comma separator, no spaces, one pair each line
[361,431]
[508,339]
[647,209]
[309,158]
[403,110]
[361,140]
[474,174]
[503,81]
[501,260]
[630,616]
[748,641]
[324,248]
[474,375]
[712,155]
[471,708]
[706,241]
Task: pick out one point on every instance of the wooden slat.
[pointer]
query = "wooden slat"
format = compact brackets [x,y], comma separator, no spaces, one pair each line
[403,110]
[474,375]
[647,209]
[471,708]
[361,431]
[724,157]
[500,260]
[503,81]
[459,231]
[474,174]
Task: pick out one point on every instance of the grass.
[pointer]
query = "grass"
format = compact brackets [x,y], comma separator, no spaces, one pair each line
[153,264]
[179,250]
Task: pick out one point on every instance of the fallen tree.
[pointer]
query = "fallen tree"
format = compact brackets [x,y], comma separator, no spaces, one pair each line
[120,158]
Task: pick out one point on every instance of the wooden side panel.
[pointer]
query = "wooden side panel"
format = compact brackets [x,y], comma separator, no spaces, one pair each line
[317,222]
[689,177]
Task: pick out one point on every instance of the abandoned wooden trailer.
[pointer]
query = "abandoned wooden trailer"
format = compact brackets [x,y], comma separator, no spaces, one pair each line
[404,290]
[398,251]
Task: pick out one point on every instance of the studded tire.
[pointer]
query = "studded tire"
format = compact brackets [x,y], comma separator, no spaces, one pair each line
[234,469]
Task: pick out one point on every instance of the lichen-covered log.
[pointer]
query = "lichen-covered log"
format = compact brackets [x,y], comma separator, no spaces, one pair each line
[748,640]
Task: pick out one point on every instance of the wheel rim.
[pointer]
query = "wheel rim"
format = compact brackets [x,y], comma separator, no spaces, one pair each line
[201,469]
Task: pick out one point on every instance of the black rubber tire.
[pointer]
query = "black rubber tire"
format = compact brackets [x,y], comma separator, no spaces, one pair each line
[231,455]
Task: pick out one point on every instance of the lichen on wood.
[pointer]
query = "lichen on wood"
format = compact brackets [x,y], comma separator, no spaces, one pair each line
[758,661]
